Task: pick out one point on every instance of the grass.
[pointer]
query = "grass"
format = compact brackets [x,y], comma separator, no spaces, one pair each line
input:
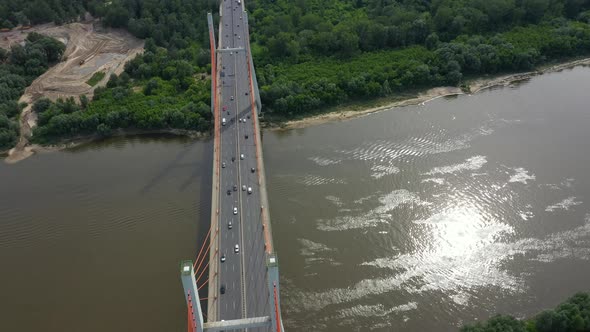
[97,77]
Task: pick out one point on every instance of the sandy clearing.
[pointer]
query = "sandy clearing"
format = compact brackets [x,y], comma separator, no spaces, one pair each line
[96,48]
[476,85]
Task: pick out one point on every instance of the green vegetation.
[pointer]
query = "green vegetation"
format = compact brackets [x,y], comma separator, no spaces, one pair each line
[288,89]
[156,91]
[165,87]
[18,12]
[571,316]
[18,68]
[97,77]
[311,54]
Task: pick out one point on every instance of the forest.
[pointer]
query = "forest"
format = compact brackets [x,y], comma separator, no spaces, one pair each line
[312,54]
[573,315]
[19,66]
[17,12]
[309,54]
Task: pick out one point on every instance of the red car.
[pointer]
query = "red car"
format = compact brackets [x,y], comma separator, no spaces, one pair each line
[224,108]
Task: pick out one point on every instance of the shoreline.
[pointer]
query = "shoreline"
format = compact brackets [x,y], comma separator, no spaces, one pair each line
[338,113]
[475,85]
[11,158]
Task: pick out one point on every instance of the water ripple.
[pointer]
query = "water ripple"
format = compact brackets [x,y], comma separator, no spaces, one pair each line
[376,216]
[479,264]
[521,175]
[563,205]
[471,164]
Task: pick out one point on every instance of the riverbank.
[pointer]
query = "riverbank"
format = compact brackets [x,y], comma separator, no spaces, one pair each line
[358,109]
[339,113]
[15,155]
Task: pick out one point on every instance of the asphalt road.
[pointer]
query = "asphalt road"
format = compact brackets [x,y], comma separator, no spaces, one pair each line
[243,274]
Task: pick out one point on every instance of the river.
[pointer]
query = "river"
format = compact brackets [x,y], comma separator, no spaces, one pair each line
[420,218]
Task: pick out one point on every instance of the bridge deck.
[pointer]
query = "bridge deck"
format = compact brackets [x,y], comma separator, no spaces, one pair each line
[238,165]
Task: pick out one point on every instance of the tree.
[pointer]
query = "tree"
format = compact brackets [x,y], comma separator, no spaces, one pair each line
[113,81]
[18,55]
[116,16]
[41,105]
[39,12]
[432,41]
[6,24]
[10,108]
[84,101]
[497,323]
[535,9]
[150,87]
[103,129]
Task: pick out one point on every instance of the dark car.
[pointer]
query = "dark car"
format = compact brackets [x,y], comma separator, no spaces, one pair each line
[252,170]
[248,116]
[229,192]
[235,188]
[246,93]
[222,289]
[246,136]
[233,158]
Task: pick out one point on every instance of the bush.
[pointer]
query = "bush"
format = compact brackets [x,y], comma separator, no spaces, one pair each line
[103,129]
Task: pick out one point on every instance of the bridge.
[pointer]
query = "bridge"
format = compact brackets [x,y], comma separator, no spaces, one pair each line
[238,253]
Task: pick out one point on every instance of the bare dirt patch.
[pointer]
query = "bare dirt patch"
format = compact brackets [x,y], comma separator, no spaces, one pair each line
[89,49]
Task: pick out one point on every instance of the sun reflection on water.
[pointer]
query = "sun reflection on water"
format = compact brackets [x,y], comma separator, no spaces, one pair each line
[460,230]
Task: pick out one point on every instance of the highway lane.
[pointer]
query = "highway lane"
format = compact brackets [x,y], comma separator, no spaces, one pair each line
[230,304]
[255,265]
[243,274]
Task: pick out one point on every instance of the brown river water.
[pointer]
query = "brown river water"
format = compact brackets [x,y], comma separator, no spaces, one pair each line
[421,218]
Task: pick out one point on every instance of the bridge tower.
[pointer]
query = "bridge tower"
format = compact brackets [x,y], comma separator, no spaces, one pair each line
[191,295]
[272,266]
[195,314]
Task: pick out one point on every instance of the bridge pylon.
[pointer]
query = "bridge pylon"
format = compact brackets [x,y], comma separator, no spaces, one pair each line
[274,298]
[191,294]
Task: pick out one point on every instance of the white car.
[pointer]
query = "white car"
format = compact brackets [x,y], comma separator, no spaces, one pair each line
[249,190]
[244,187]
[236,248]
[223,121]
[242,156]
[235,210]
